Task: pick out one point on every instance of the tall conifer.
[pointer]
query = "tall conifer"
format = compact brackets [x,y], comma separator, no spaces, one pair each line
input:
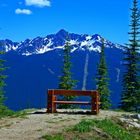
[2,78]
[130,100]
[102,80]
[66,81]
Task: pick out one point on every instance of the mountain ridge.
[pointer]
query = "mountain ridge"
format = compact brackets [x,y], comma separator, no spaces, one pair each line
[40,45]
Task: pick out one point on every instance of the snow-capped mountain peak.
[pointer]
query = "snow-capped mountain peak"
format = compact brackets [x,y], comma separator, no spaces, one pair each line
[40,45]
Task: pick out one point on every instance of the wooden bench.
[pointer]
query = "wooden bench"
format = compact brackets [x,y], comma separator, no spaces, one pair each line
[52,99]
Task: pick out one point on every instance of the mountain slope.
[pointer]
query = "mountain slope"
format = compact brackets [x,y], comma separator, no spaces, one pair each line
[35,66]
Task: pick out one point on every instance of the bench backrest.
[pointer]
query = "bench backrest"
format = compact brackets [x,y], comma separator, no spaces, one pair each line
[92,93]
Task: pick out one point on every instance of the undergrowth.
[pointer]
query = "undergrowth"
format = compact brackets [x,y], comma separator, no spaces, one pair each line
[107,129]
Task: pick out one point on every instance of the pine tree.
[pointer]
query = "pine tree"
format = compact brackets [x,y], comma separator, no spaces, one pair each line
[66,81]
[2,82]
[102,80]
[130,100]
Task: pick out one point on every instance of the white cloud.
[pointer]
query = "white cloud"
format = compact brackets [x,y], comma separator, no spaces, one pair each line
[38,3]
[23,11]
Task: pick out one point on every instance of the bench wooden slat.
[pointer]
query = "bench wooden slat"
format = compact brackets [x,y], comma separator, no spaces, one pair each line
[72,102]
[92,93]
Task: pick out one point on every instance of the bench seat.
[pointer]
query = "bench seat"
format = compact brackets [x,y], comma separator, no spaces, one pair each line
[72,102]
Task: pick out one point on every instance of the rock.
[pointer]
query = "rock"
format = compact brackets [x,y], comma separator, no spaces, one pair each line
[130,125]
[135,120]
[134,124]
[102,133]
[132,120]
[139,116]
[122,119]
[136,116]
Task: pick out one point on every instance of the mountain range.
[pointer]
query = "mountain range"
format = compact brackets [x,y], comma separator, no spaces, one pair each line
[40,45]
[35,65]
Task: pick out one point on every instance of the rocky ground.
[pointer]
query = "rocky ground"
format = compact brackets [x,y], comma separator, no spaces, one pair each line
[38,123]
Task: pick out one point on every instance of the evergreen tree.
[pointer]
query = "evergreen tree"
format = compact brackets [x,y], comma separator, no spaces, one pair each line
[102,80]
[2,82]
[66,81]
[130,100]
[4,111]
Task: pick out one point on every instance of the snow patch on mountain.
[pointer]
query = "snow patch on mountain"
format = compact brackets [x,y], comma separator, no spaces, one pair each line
[27,54]
[73,50]
[73,42]
[96,49]
[88,37]
[59,47]
[43,50]
[84,43]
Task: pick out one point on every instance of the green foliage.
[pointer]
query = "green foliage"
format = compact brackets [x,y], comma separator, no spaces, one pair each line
[106,129]
[130,100]
[2,82]
[82,127]
[112,129]
[66,81]
[5,112]
[102,81]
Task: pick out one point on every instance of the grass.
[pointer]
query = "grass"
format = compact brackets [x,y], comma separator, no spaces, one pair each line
[83,126]
[107,129]
[5,112]
[114,130]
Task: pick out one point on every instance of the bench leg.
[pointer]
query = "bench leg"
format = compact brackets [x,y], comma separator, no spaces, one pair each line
[95,105]
[51,108]
[53,104]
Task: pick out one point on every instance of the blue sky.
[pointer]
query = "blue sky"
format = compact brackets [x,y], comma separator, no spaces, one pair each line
[21,19]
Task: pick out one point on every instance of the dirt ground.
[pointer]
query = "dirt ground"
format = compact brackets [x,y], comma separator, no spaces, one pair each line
[39,123]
